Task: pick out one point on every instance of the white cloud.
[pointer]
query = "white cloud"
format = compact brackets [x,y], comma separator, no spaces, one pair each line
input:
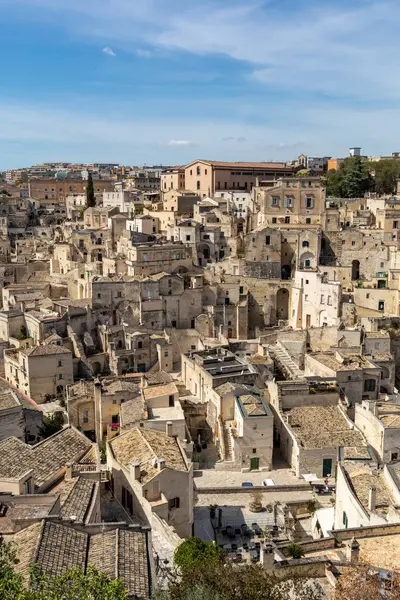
[143,53]
[331,47]
[180,143]
[109,51]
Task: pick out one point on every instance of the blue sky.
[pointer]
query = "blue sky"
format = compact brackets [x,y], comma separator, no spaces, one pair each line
[168,81]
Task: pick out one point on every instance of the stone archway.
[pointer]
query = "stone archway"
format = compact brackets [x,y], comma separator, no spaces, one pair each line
[307,260]
[203,253]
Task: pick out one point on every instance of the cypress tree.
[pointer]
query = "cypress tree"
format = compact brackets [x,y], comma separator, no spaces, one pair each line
[90,199]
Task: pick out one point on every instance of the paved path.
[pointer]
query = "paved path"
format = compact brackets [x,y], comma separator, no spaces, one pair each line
[213,478]
[243,499]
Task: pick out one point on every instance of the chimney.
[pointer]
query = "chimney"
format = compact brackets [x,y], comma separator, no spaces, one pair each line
[168,428]
[289,419]
[136,469]
[267,558]
[353,551]
[68,472]
[372,499]
[161,463]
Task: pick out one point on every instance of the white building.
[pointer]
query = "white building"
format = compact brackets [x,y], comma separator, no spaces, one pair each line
[240,203]
[120,198]
[152,477]
[315,301]
[143,224]
[75,203]
[365,496]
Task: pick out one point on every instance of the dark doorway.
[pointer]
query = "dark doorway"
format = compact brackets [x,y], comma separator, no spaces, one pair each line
[326,467]
[282,304]
[355,270]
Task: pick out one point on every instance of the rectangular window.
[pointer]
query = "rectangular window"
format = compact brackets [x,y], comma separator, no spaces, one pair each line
[369,385]
[309,202]
[171,400]
[288,203]
[329,300]
[59,363]
[306,297]
[275,201]
[322,299]
[381,305]
[395,224]
[86,416]
[287,220]
[308,221]
[274,220]
[174,503]
[267,240]
[345,520]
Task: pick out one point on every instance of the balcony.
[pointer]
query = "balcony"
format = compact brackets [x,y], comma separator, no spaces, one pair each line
[113,430]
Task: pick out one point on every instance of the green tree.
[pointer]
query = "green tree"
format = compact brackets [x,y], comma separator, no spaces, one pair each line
[224,581]
[90,198]
[356,177]
[75,585]
[11,584]
[194,553]
[386,173]
[51,425]
[334,184]
[352,180]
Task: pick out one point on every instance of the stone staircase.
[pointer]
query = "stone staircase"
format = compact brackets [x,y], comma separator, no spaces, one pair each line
[285,361]
[228,444]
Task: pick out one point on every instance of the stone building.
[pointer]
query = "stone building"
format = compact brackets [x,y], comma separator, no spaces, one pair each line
[153,477]
[293,200]
[40,372]
[310,426]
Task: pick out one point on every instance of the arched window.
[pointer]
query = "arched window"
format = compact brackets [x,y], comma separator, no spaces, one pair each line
[306,244]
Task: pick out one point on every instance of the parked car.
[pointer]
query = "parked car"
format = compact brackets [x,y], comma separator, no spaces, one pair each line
[247,484]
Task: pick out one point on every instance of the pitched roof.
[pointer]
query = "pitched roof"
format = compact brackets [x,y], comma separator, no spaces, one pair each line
[61,548]
[159,390]
[8,400]
[158,377]
[57,548]
[78,500]
[243,165]
[145,445]
[323,427]
[132,411]
[45,350]
[45,458]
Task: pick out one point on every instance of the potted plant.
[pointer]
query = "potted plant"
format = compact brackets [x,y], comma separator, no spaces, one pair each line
[256,502]
[295,551]
[311,506]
